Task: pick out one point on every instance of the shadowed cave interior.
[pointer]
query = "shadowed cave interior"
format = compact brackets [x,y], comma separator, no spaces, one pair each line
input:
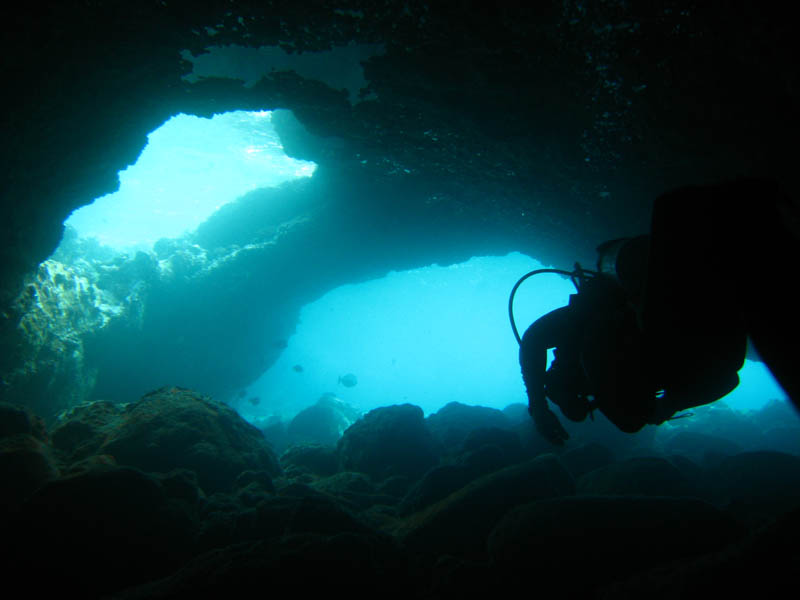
[254,287]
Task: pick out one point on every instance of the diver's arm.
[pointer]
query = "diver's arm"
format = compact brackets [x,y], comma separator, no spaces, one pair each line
[540,336]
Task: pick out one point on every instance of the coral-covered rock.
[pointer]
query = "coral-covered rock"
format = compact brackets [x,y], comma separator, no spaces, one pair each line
[362,565]
[26,463]
[648,476]
[436,484]
[453,422]
[460,523]
[703,448]
[324,422]
[587,457]
[387,441]
[82,430]
[574,544]
[18,419]
[102,530]
[314,458]
[759,487]
[176,428]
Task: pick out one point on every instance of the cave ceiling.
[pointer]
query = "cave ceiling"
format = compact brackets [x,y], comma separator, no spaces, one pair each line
[460,127]
[572,114]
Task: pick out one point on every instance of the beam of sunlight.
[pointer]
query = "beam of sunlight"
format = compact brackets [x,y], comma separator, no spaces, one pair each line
[190,167]
[428,337]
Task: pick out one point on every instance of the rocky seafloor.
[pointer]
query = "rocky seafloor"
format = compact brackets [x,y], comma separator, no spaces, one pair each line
[176,496]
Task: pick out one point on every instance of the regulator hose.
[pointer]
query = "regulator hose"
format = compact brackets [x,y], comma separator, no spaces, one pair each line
[577,276]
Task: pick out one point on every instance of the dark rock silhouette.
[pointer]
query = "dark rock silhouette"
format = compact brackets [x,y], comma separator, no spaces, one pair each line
[580,543]
[176,428]
[460,523]
[452,423]
[652,476]
[408,515]
[389,441]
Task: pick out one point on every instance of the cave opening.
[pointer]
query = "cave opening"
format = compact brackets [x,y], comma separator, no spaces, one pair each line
[427,336]
[190,168]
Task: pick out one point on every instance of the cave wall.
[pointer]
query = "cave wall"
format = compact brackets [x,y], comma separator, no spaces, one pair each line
[548,127]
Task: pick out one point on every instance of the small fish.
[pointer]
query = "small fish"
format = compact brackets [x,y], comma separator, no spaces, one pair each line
[281,344]
[242,393]
[348,380]
[297,368]
[255,400]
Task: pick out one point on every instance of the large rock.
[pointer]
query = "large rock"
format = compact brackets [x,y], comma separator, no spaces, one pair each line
[763,565]
[759,486]
[323,422]
[459,524]
[176,428]
[26,461]
[702,448]
[100,531]
[389,441]
[17,419]
[586,458]
[574,544]
[647,476]
[361,565]
[436,484]
[81,431]
[453,422]
[311,458]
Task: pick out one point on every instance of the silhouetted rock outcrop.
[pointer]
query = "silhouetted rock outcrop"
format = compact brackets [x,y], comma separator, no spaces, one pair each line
[572,545]
[176,428]
[388,441]
[645,476]
[460,523]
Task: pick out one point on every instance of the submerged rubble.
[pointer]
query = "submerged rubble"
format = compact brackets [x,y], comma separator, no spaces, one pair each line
[176,496]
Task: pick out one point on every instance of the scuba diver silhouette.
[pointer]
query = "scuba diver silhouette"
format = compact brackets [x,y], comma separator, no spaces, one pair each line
[662,324]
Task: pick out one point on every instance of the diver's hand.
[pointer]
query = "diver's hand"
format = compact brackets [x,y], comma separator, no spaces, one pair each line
[548,425]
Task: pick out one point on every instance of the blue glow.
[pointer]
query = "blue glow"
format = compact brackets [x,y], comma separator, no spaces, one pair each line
[190,167]
[429,336]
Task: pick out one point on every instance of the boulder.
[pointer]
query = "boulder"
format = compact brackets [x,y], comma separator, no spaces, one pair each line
[703,448]
[759,487]
[317,459]
[586,458]
[388,441]
[459,524]
[323,422]
[176,428]
[452,423]
[100,531]
[572,545]
[647,476]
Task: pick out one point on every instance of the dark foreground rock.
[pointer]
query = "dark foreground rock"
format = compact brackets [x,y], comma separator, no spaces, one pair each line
[84,526]
[575,544]
[758,487]
[647,476]
[459,524]
[177,428]
[299,565]
[763,565]
[389,441]
[97,532]
[452,423]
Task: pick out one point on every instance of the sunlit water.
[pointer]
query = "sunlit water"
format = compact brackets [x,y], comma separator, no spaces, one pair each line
[429,336]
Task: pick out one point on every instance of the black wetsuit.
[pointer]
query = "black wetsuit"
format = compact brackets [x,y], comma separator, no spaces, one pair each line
[717,258]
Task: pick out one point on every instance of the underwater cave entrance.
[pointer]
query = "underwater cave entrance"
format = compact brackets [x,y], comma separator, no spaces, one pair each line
[428,336]
[190,167]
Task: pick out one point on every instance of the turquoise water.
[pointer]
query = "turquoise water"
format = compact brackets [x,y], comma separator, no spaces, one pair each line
[430,336]
[190,167]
